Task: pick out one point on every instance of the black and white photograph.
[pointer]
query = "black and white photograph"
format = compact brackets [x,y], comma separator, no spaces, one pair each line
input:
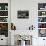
[23,14]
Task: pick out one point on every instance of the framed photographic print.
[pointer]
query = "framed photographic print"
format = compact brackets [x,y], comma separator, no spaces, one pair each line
[22,14]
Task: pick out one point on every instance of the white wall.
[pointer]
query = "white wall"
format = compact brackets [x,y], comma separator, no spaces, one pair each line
[31,6]
[23,24]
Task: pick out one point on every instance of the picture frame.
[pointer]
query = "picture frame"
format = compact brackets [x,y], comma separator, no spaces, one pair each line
[22,14]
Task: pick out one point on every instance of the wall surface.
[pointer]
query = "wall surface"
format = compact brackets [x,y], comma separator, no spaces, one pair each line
[31,6]
[23,24]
